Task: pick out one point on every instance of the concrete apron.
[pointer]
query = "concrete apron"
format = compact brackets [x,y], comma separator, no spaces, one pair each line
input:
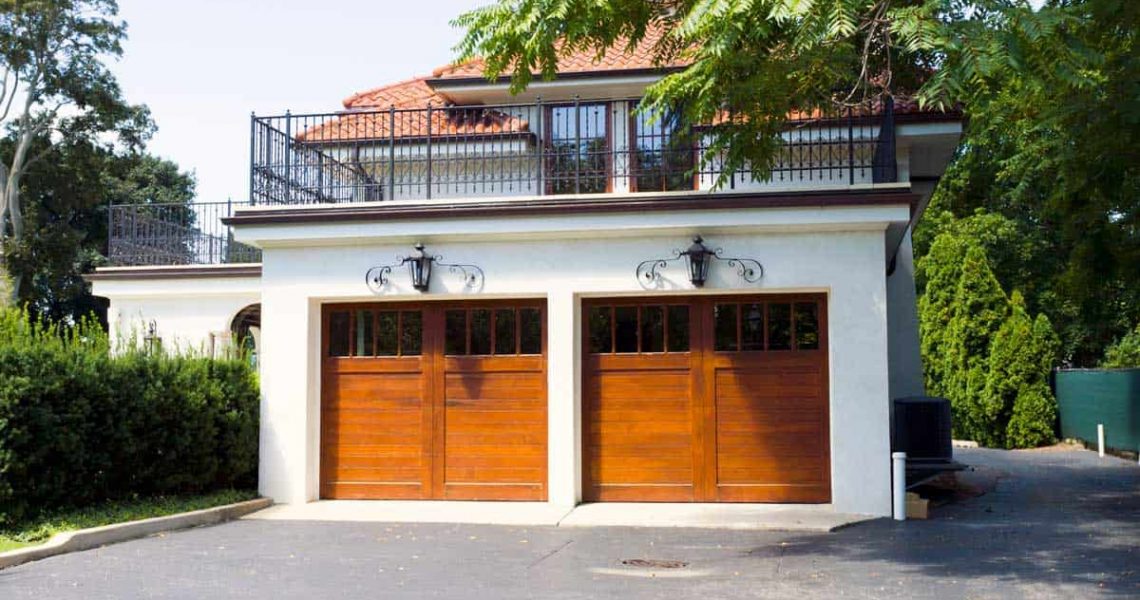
[769,517]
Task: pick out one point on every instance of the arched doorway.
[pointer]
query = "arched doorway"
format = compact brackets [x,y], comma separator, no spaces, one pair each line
[245,329]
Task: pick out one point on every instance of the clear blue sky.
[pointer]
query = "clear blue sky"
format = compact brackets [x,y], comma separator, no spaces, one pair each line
[202,66]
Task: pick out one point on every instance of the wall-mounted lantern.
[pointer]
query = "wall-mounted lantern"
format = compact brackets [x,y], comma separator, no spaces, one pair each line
[698,257]
[420,265]
[151,341]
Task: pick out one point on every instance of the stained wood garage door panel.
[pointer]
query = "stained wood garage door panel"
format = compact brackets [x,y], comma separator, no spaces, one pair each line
[706,421]
[401,419]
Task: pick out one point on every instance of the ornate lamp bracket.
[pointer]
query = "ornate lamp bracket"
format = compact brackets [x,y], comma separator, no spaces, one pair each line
[698,258]
[420,265]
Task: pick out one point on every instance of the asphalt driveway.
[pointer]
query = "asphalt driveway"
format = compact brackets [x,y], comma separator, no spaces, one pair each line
[1057,524]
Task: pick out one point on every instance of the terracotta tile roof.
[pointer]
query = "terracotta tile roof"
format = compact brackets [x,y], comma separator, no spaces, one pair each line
[410,97]
[583,61]
[409,93]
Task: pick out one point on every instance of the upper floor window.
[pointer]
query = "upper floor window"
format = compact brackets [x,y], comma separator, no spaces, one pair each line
[663,153]
[578,155]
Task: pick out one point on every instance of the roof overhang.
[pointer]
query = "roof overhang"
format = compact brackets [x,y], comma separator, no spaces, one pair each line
[622,83]
[174,272]
[562,206]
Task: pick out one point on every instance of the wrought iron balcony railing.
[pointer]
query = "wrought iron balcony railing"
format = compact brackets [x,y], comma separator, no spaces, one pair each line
[581,147]
[541,148]
[174,234]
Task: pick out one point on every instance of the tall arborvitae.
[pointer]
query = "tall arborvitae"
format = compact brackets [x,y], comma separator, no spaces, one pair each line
[1010,367]
[1034,414]
[940,270]
[979,307]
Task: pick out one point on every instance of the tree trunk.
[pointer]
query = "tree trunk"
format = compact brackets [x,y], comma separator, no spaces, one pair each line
[11,212]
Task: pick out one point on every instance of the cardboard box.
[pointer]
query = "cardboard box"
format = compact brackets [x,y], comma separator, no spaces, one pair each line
[916,506]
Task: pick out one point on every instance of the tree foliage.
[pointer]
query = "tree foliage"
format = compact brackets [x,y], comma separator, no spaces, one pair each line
[1064,169]
[1018,407]
[979,307]
[982,351]
[66,197]
[761,60]
[1125,353]
[55,89]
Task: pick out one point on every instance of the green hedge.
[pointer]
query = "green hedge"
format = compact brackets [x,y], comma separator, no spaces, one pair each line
[79,424]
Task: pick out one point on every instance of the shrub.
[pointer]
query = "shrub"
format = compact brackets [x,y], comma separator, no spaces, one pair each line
[979,307]
[79,425]
[1125,353]
[1019,410]
[981,350]
[938,274]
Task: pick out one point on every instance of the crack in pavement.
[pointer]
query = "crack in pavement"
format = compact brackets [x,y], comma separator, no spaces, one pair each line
[549,554]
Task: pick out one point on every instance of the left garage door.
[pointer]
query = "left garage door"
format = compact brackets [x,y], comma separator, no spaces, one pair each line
[434,401]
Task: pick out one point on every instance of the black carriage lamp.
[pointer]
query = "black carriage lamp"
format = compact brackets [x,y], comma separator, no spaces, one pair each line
[699,258]
[420,264]
[151,341]
[419,268]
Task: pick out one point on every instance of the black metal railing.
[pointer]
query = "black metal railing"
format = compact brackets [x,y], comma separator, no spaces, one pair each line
[576,147]
[174,234]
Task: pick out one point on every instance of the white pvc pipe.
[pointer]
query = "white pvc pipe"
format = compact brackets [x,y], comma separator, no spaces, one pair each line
[898,496]
[1100,439]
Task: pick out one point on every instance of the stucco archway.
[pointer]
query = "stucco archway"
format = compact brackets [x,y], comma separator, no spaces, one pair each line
[245,331]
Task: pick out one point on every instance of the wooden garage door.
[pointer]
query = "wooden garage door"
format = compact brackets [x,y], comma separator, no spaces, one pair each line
[444,401]
[706,400]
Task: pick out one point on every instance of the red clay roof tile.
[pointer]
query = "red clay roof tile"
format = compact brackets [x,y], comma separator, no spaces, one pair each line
[583,61]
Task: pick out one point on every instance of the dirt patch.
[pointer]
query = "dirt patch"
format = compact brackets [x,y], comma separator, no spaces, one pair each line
[1064,446]
[960,486]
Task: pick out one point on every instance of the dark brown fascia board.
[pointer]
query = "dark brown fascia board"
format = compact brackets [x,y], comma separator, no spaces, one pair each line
[453,82]
[174,272]
[550,206]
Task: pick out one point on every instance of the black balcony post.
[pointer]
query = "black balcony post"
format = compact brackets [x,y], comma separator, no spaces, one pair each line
[111,231]
[429,151]
[392,152]
[287,151]
[540,164]
[252,154]
[885,169]
[577,146]
[850,148]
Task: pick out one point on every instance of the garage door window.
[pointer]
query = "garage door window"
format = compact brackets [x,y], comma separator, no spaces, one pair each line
[649,329]
[485,332]
[371,333]
[766,326]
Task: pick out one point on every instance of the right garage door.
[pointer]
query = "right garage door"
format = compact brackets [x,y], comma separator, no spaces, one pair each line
[710,399]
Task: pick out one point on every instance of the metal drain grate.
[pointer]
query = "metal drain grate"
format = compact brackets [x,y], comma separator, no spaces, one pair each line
[653,563]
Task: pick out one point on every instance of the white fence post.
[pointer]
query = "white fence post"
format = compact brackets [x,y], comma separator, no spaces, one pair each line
[1100,439]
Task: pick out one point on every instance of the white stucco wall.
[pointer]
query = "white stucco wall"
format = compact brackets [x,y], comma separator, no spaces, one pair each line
[902,324]
[836,251]
[185,311]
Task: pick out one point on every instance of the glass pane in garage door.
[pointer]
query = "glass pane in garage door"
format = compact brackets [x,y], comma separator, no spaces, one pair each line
[339,339]
[807,326]
[530,323]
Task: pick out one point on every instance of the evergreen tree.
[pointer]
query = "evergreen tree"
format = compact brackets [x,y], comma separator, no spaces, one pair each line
[979,307]
[1018,408]
[1124,353]
[1034,416]
[939,271]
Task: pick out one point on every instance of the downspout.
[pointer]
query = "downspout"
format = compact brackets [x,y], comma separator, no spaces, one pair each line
[923,202]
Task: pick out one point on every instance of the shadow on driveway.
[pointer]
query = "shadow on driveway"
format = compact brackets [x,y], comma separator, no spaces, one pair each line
[1056,518]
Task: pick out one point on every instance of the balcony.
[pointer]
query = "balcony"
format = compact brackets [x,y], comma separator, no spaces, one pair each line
[536,149]
[174,234]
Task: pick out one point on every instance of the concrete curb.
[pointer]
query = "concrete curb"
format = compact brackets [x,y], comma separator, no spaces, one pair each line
[85,539]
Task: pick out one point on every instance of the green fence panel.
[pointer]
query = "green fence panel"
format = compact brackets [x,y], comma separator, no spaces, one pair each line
[1110,397]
